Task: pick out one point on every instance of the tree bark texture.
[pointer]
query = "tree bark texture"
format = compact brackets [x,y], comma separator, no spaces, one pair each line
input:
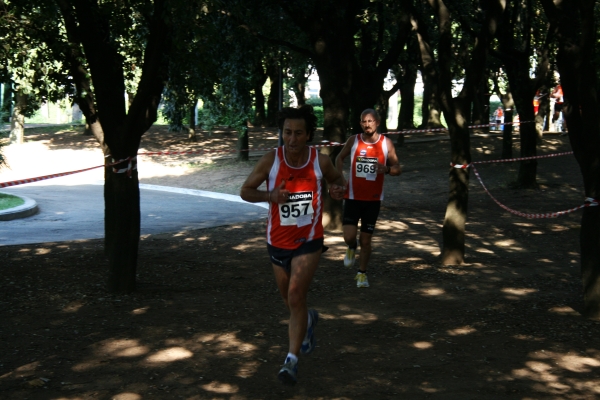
[407,103]
[259,80]
[192,125]
[17,123]
[457,112]
[7,99]
[575,60]
[118,132]
[273,99]
[242,144]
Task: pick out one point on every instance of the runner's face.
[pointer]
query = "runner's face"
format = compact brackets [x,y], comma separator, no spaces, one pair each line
[294,135]
[369,124]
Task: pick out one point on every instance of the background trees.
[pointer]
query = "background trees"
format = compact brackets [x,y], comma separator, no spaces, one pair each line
[223,52]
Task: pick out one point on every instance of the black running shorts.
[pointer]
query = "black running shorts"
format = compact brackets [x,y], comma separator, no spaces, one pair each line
[283,257]
[365,211]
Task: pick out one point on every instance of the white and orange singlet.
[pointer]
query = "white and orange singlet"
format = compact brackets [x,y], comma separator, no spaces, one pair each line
[299,220]
[364,182]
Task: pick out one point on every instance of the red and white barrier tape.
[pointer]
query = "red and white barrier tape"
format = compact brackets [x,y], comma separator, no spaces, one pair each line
[464,166]
[45,177]
[172,153]
[446,129]
[589,202]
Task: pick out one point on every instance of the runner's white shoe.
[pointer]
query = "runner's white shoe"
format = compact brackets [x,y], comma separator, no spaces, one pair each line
[349,258]
[361,280]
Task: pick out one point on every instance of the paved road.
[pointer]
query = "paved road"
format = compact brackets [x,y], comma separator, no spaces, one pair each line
[70,212]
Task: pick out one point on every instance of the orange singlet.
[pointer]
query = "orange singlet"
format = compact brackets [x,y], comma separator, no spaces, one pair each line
[365,183]
[299,220]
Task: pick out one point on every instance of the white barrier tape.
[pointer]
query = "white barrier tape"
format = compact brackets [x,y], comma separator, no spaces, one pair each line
[589,202]
[460,166]
[131,165]
[523,158]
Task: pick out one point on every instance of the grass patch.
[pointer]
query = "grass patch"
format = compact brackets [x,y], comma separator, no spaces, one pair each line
[9,201]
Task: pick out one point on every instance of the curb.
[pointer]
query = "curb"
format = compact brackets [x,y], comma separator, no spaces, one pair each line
[25,210]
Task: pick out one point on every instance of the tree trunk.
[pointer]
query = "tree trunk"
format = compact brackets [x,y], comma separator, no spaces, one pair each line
[273,99]
[122,228]
[457,112]
[118,132]
[407,103]
[336,109]
[541,115]
[299,90]
[259,79]
[17,125]
[192,125]
[242,144]
[507,130]
[6,107]
[382,109]
[481,107]
[430,108]
[576,52]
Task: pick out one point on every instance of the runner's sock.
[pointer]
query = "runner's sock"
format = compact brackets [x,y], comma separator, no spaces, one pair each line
[291,357]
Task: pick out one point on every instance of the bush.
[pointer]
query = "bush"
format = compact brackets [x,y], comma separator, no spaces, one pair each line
[315,101]
[320,115]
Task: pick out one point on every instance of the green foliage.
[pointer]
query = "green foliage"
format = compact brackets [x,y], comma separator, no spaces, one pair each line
[315,101]
[318,110]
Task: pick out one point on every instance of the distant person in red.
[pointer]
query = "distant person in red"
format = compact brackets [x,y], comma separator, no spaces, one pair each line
[498,115]
[536,102]
[557,94]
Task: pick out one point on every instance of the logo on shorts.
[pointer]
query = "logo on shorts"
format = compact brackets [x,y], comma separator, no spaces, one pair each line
[301,240]
[363,152]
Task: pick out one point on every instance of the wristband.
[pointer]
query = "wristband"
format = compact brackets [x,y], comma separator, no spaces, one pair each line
[389,169]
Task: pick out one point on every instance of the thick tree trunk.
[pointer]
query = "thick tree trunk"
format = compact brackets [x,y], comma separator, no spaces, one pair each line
[522,90]
[430,108]
[507,130]
[122,227]
[576,52]
[273,99]
[260,78]
[299,90]
[455,219]
[6,107]
[382,109]
[407,103]
[336,109]
[17,124]
[242,144]
[119,133]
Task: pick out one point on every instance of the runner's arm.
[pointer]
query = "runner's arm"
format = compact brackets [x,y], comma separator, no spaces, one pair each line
[392,159]
[249,191]
[339,160]
[334,178]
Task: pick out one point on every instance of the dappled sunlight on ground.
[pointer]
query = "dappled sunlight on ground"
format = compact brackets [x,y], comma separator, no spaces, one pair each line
[207,321]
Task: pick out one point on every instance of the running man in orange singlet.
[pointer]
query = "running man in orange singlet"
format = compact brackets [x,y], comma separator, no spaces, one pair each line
[293,175]
[371,156]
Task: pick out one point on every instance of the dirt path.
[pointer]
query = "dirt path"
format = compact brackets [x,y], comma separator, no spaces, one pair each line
[207,321]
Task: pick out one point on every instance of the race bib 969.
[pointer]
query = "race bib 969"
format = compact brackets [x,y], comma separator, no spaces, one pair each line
[366,168]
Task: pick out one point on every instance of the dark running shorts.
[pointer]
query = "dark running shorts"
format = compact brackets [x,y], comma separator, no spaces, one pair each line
[365,211]
[283,257]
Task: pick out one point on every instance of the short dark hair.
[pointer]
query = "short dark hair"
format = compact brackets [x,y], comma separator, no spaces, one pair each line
[304,112]
[371,111]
